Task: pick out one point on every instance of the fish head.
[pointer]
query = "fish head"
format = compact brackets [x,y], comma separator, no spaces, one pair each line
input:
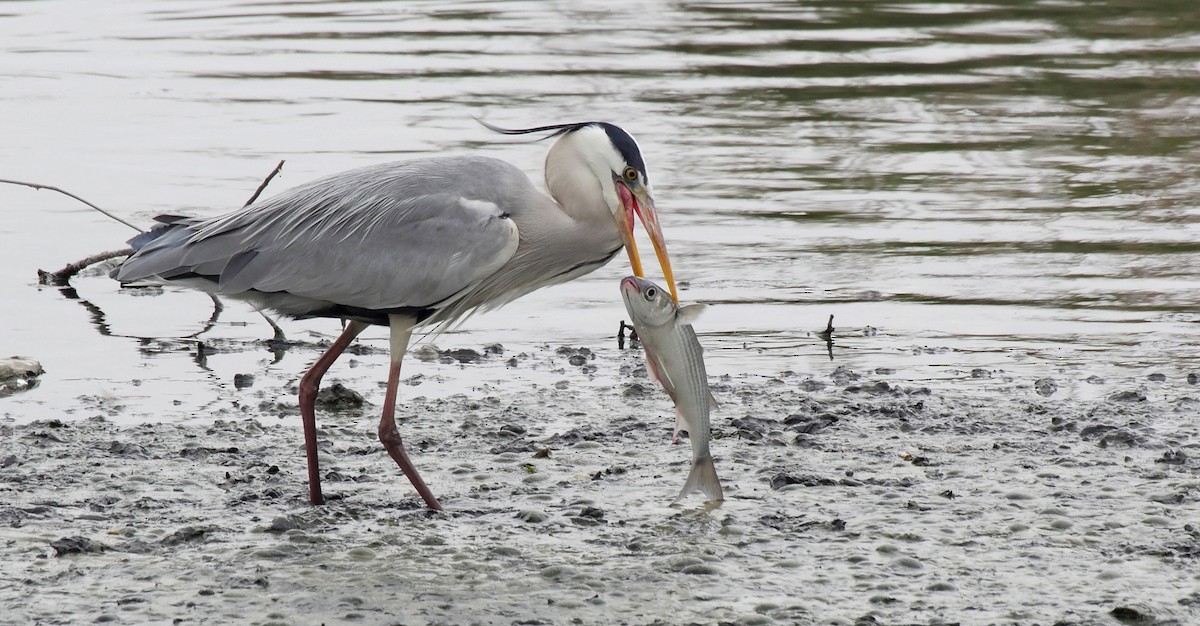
[647,303]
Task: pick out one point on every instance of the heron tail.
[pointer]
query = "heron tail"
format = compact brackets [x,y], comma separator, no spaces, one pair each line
[703,477]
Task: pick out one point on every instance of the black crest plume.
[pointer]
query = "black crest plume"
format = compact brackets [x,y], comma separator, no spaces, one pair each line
[620,139]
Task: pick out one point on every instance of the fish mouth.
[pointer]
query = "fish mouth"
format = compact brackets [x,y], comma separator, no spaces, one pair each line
[640,203]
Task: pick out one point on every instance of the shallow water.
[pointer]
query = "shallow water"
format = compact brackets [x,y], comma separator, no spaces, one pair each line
[984,195]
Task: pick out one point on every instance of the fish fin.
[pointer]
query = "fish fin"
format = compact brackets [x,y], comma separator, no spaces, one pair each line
[679,424]
[691,312]
[712,401]
[703,477]
[652,369]
[660,374]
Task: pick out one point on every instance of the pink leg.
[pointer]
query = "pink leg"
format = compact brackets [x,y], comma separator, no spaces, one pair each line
[401,332]
[309,384]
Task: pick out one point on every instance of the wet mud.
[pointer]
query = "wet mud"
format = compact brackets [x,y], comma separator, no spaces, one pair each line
[853,497]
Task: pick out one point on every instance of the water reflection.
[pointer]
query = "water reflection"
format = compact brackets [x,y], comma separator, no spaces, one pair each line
[979,176]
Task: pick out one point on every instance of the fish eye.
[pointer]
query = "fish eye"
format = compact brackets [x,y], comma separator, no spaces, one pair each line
[630,174]
[651,292]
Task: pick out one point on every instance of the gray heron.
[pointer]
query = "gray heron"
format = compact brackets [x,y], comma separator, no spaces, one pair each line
[414,243]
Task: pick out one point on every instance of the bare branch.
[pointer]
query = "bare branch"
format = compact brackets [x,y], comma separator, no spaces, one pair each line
[264,184]
[62,277]
[39,186]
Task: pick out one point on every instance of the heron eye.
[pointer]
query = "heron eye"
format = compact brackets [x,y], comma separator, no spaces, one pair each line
[651,292]
[630,174]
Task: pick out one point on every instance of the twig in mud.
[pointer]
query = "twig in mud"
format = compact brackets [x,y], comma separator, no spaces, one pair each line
[633,336]
[827,334]
[39,186]
[264,184]
[62,277]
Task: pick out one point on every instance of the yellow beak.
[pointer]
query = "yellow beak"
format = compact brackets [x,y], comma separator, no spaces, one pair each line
[642,205]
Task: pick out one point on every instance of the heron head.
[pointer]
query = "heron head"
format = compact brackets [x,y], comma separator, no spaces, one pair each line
[612,156]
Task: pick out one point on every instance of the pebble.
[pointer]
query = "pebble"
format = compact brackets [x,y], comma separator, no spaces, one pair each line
[461,355]
[1128,396]
[557,572]
[811,385]
[532,517]
[338,397]
[361,553]
[74,545]
[19,367]
[634,390]
[18,373]
[1045,386]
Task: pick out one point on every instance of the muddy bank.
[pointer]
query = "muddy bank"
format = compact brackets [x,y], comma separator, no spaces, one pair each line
[853,498]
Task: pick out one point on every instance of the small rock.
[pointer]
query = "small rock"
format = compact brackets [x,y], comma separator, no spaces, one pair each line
[979,372]
[1098,429]
[282,524]
[1045,386]
[18,373]
[243,381]
[1128,396]
[752,428]
[427,352]
[1129,615]
[1157,377]
[843,375]
[1173,457]
[634,390]
[74,545]
[338,397]
[592,512]
[125,448]
[20,367]
[811,385]
[1117,437]
[1193,378]
[515,429]
[577,359]
[810,425]
[462,355]
[779,481]
[184,535]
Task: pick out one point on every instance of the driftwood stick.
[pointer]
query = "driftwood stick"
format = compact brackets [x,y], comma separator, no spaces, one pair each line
[62,277]
[828,332]
[39,186]
[264,184]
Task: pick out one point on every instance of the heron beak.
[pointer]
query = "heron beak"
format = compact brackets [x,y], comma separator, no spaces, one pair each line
[642,205]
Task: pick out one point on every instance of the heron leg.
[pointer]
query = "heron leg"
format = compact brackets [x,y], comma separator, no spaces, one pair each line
[401,333]
[309,384]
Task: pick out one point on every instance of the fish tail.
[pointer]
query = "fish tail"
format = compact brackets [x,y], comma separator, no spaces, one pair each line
[703,477]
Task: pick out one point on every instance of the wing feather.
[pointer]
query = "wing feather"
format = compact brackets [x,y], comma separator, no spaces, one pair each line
[396,235]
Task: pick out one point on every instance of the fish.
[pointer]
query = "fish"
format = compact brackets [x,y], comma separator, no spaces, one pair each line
[676,360]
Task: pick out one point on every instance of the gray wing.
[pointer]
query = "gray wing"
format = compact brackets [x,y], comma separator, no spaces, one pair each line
[411,234]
